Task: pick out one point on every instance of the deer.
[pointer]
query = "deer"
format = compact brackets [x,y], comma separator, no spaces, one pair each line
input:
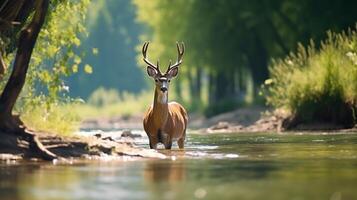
[164,122]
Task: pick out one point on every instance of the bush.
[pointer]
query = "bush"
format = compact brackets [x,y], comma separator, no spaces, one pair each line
[317,84]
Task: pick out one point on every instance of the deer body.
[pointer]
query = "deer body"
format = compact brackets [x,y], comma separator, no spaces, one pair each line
[164,122]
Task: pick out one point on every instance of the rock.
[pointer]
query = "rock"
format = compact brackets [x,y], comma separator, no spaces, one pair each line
[220,125]
[9,157]
[108,138]
[128,133]
[224,127]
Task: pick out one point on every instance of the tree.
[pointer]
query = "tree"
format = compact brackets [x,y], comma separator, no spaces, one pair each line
[114,34]
[231,42]
[24,20]
[27,39]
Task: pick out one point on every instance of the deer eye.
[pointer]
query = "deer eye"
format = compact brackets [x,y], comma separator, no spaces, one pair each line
[169,81]
[156,80]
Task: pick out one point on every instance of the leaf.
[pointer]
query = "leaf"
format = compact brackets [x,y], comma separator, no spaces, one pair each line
[268,81]
[75,68]
[95,51]
[88,69]
[77,59]
[76,41]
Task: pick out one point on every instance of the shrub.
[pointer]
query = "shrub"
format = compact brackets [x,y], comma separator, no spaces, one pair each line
[317,84]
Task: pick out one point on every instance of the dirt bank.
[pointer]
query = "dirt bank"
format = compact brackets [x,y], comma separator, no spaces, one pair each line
[248,119]
[81,146]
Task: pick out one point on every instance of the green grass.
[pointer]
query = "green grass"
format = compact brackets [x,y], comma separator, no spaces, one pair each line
[65,118]
[109,103]
[317,84]
[59,120]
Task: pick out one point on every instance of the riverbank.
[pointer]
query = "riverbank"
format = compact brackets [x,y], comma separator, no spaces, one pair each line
[80,146]
[248,119]
[115,136]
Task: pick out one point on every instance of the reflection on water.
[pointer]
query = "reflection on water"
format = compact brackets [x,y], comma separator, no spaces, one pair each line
[157,172]
[225,166]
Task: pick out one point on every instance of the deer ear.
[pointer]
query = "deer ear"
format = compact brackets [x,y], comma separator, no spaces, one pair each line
[151,72]
[172,72]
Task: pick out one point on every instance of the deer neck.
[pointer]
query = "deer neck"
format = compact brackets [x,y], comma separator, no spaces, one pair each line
[160,108]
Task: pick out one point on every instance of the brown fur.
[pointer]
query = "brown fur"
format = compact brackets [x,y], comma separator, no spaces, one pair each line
[165,122]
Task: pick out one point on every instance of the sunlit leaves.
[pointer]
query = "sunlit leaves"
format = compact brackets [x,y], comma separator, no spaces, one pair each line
[88,69]
[312,80]
[95,51]
[54,56]
[75,68]
[77,59]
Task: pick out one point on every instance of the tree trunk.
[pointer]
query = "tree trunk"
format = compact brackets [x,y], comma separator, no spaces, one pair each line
[26,43]
[194,79]
[199,84]
[9,124]
[211,89]
[259,64]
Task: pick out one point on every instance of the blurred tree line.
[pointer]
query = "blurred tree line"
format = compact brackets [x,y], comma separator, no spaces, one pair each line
[231,42]
[113,36]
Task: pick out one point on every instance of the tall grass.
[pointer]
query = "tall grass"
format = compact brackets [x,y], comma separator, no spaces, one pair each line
[56,118]
[111,103]
[65,118]
[317,84]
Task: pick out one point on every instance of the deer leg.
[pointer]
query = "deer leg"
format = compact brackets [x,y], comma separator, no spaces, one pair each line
[166,140]
[181,143]
[168,144]
[153,143]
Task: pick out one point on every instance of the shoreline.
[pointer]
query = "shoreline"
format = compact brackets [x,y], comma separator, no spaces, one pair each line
[243,120]
[117,144]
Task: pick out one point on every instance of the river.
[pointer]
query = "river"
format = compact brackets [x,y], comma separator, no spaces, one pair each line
[215,166]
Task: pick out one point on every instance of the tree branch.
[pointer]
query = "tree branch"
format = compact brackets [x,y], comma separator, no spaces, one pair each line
[2,67]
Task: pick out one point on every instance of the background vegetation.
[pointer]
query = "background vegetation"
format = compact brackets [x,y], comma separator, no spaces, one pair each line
[54,58]
[230,43]
[318,85]
[229,46]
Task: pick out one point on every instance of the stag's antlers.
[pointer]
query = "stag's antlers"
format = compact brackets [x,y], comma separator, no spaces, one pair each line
[144,50]
[180,51]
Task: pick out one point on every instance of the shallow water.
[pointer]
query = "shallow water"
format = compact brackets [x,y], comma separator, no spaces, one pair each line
[222,166]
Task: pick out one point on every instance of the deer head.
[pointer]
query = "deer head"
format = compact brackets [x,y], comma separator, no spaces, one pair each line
[162,80]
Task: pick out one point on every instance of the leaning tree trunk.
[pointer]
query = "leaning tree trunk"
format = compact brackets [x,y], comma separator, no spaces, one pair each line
[9,123]
[26,43]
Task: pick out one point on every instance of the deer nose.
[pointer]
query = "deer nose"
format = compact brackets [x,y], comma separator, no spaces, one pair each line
[163,89]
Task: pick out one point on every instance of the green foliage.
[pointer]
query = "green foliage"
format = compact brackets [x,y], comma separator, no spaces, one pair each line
[110,103]
[58,119]
[229,43]
[103,97]
[221,107]
[112,41]
[54,57]
[317,84]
